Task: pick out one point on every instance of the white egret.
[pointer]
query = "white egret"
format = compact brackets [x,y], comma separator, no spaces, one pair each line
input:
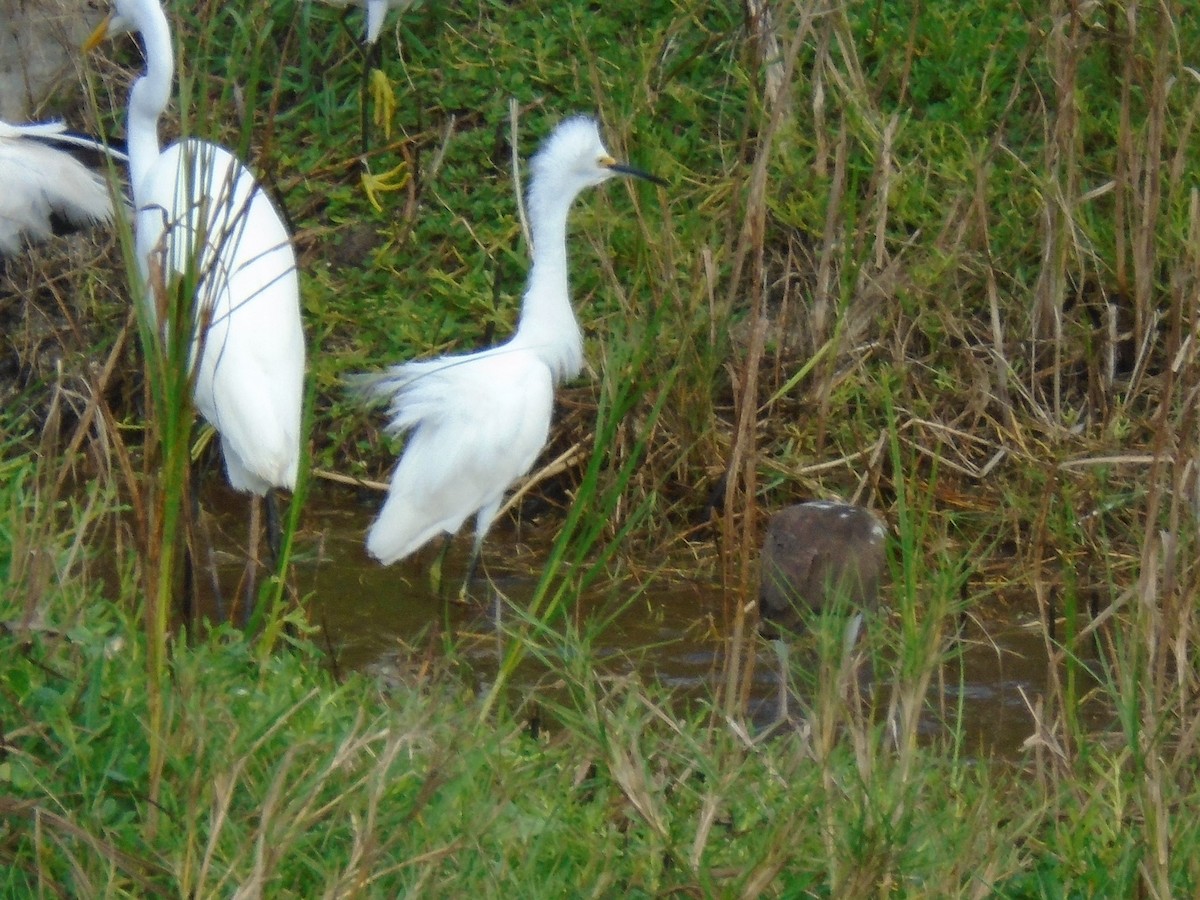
[476,422]
[374,81]
[44,186]
[198,209]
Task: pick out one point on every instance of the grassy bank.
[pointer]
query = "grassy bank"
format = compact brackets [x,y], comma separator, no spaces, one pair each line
[944,265]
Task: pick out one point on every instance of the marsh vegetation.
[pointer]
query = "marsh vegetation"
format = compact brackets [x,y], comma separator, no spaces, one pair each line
[943,261]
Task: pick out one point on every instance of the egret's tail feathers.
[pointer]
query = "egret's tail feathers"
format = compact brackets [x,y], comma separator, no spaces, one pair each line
[412,392]
[270,467]
[398,533]
[373,388]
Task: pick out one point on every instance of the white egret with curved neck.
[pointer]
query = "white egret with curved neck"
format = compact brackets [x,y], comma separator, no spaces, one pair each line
[476,422]
[44,186]
[200,214]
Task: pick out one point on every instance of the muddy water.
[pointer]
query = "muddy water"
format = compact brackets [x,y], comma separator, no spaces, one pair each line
[373,618]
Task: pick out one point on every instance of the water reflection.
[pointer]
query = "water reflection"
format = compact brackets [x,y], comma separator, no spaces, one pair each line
[373,617]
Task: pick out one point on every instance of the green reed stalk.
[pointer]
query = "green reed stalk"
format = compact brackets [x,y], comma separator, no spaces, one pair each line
[267,617]
[579,553]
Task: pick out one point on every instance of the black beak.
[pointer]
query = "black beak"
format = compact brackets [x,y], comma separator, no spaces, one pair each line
[638,173]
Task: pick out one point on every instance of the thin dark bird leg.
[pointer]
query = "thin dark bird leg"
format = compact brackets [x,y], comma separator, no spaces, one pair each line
[251,578]
[200,556]
[364,100]
[366,50]
[498,623]
[781,656]
[472,566]
[372,55]
[483,521]
[437,581]
[274,528]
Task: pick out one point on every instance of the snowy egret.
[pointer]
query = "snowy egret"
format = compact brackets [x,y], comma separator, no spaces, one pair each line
[476,422]
[374,81]
[198,209]
[44,187]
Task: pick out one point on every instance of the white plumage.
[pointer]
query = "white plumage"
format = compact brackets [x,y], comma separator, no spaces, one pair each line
[199,209]
[40,178]
[477,422]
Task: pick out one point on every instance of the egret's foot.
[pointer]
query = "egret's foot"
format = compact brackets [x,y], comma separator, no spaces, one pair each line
[392,180]
[463,597]
[472,570]
[383,102]
[436,582]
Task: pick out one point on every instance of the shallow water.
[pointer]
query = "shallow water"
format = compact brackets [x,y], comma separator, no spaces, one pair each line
[381,619]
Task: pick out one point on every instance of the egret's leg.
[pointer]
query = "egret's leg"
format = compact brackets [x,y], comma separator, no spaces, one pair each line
[366,78]
[251,578]
[372,54]
[274,527]
[498,623]
[437,583]
[365,102]
[472,565]
[781,655]
[200,557]
[483,521]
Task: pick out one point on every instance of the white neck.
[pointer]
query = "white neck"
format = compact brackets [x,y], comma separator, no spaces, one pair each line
[150,93]
[548,326]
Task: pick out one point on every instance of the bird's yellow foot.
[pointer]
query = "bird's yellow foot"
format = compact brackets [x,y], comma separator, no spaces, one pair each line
[463,597]
[435,575]
[393,179]
[383,102]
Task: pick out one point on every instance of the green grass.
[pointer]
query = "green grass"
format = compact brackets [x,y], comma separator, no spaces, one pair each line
[279,779]
[956,279]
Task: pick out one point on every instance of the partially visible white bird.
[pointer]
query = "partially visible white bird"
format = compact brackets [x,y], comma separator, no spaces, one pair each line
[43,186]
[374,81]
[199,209]
[377,11]
[477,422]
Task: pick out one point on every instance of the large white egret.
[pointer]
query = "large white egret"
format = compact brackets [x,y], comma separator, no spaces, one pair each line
[44,186]
[199,210]
[477,422]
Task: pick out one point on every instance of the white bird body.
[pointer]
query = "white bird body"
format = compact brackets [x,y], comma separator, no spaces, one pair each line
[249,384]
[477,422]
[39,180]
[199,210]
[505,400]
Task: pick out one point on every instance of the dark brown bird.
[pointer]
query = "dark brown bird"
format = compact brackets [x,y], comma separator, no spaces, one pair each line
[818,553]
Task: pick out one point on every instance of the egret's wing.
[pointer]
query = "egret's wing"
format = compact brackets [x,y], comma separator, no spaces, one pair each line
[222,226]
[32,129]
[55,134]
[478,423]
[38,181]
